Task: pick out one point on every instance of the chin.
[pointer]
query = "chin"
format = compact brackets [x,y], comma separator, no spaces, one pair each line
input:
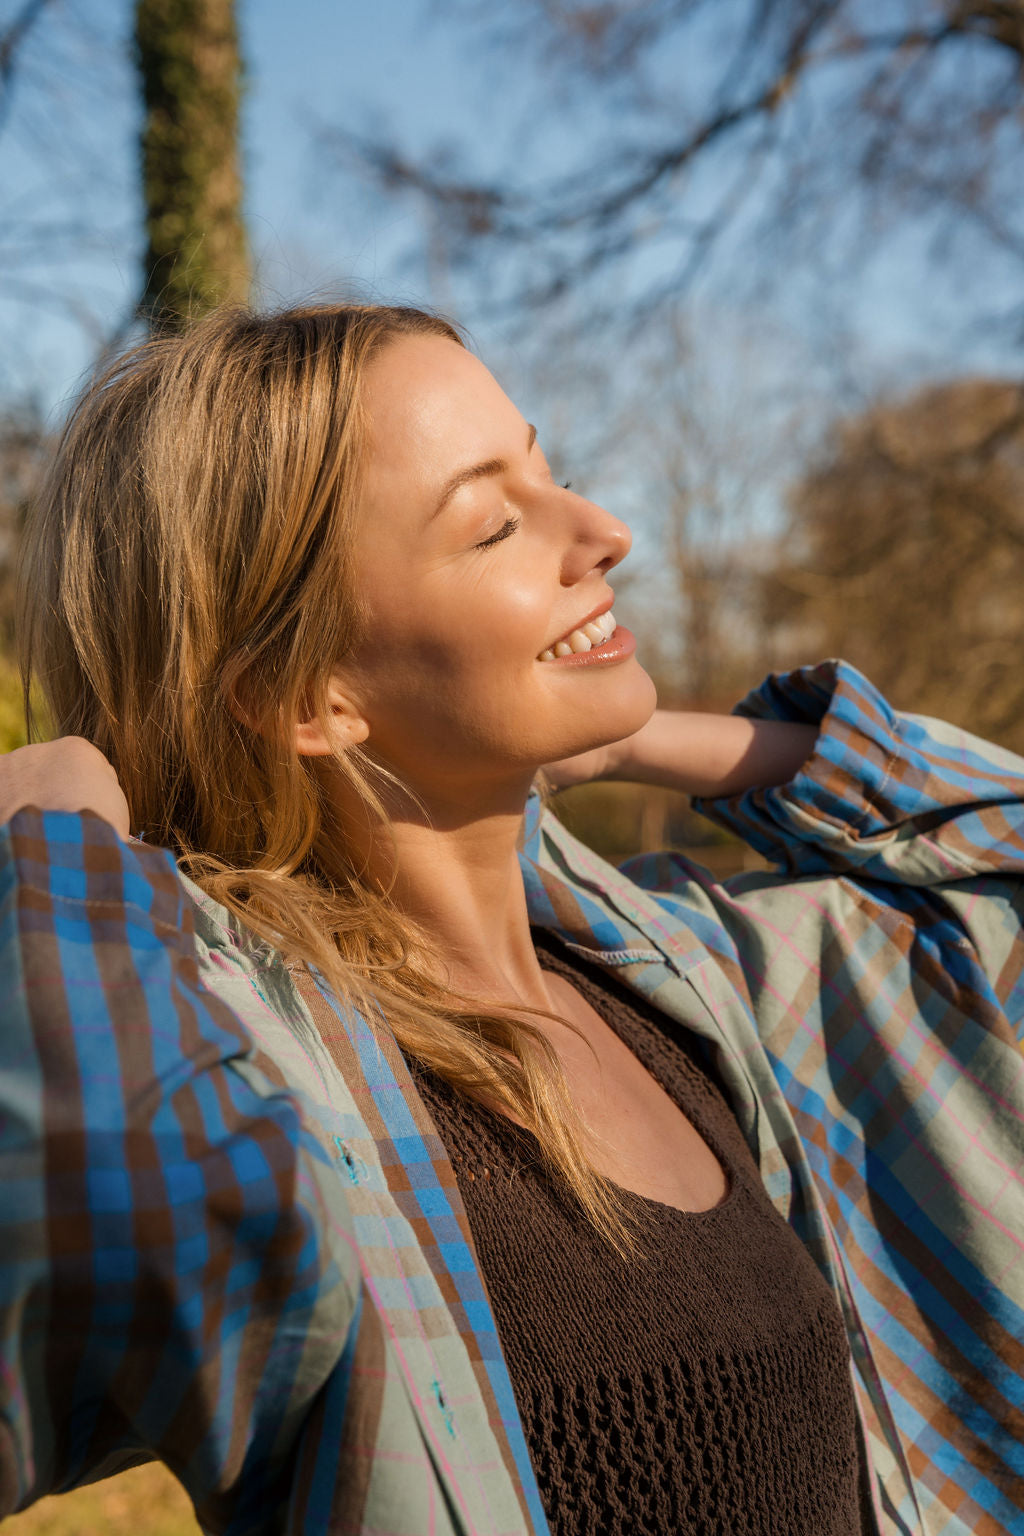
[619,715]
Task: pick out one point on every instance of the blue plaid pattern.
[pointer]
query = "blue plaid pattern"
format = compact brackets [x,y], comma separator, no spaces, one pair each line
[232,1238]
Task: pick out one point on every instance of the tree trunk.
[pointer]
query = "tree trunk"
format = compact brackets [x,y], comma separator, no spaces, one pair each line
[190,72]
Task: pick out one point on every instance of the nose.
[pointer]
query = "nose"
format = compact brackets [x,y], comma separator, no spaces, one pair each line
[596,541]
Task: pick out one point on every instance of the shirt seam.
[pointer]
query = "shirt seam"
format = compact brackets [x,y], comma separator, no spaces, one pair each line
[63,899]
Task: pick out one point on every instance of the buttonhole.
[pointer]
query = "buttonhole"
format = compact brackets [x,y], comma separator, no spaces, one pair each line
[347,1158]
[442,1403]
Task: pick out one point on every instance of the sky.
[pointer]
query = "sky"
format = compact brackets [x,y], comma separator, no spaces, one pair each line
[311,65]
[68,153]
[68,157]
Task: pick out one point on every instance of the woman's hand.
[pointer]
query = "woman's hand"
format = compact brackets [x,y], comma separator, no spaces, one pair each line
[709,755]
[66,775]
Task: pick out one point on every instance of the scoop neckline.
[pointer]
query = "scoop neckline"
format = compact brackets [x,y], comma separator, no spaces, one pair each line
[734,1177]
[710,1212]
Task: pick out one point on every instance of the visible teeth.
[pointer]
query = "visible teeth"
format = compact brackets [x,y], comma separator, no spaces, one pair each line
[595,632]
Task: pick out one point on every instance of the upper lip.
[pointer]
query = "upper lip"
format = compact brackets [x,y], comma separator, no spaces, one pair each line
[594,614]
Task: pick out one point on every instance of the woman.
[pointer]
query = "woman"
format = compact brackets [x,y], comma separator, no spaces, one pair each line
[446,1178]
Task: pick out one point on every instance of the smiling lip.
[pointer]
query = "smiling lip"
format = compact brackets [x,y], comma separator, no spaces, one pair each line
[598,611]
[621,645]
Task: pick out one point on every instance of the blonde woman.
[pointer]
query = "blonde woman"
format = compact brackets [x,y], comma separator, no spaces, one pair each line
[374,1154]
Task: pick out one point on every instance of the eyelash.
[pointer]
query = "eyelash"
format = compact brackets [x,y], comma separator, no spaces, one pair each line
[508,528]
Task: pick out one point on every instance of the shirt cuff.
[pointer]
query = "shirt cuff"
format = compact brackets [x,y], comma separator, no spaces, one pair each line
[864,779]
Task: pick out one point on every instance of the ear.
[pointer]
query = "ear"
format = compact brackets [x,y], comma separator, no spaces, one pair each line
[349,726]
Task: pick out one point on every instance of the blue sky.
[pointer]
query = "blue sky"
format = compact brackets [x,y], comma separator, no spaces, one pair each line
[754,385]
[313,64]
[69,151]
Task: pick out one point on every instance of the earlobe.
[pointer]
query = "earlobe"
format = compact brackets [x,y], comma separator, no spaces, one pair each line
[348,727]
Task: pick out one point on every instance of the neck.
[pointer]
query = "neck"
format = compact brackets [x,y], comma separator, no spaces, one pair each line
[452,866]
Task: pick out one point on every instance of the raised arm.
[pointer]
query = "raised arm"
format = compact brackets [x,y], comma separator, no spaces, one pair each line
[171,1282]
[696,753]
[884,795]
[821,775]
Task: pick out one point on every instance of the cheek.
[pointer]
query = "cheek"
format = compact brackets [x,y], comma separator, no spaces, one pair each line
[430,672]
[449,660]
[466,629]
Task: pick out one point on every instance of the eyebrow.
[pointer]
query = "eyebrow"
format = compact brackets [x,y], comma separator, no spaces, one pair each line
[479,472]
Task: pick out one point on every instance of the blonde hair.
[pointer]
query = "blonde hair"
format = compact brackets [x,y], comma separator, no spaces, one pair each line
[192,546]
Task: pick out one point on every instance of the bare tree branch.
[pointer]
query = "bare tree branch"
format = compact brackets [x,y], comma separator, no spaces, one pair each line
[917,135]
[11,42]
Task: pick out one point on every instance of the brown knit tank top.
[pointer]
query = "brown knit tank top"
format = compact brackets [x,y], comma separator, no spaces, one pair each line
[702,1391]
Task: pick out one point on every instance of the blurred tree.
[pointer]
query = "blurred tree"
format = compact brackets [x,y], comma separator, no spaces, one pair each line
[903,551]
[705,462]
[778,118]
[12,40]
[190,72]
[712,413]
[24,444]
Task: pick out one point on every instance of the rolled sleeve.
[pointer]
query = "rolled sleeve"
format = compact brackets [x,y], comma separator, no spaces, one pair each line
[886,795]
[168,1284]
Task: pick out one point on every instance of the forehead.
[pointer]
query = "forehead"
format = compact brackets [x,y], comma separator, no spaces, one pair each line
[431,407]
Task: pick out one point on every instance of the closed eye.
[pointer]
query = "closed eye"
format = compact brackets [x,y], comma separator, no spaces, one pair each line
[507,528]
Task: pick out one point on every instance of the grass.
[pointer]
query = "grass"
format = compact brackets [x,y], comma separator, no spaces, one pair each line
[147,1501]
[12,713]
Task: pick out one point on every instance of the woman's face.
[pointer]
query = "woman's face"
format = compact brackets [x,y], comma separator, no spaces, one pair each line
[471,562]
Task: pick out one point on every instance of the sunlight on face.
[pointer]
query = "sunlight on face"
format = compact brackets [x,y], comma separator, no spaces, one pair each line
[471,562]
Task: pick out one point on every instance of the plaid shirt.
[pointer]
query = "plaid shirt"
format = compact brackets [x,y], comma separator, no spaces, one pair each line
[230,1237]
